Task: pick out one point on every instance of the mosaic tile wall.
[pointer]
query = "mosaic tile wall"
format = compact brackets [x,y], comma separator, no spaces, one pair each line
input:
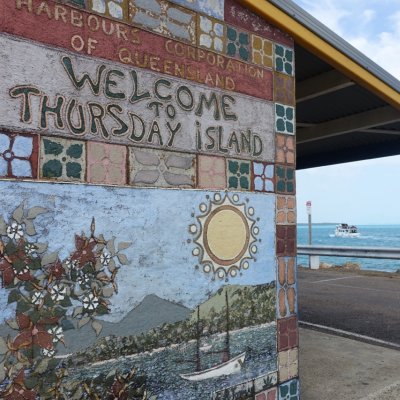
[148,208]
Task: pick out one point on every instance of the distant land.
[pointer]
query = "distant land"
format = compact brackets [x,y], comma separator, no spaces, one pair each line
[319,223]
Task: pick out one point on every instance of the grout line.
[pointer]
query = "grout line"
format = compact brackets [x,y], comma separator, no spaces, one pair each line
[350,335]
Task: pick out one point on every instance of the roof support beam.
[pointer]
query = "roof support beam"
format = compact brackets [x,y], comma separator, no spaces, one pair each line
[325,83]
[352,123]
[382,131]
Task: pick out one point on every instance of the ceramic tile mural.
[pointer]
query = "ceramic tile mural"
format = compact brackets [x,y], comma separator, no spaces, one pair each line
[148,209]
[165,18]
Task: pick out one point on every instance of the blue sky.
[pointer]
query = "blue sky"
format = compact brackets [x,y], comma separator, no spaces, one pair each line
[365,192]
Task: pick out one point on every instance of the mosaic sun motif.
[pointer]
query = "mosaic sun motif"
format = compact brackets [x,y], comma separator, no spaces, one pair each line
[225,236]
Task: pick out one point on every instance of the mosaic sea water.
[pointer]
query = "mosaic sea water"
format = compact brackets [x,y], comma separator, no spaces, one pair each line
[371,236]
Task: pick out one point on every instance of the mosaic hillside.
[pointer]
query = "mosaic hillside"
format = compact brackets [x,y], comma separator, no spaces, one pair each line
[148,209]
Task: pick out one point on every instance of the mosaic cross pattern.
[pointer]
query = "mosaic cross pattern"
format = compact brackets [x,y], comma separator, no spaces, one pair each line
[148,210]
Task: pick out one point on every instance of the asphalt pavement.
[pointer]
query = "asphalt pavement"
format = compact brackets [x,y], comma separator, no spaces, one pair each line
[359,302]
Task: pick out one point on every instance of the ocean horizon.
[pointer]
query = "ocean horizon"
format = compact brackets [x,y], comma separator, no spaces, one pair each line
[370,236]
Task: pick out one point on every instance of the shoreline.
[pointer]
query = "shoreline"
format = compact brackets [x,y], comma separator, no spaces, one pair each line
[340,269]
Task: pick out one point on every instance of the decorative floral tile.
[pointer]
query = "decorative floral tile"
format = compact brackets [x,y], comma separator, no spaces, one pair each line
[18,155]
[106,163]
[285,149]
[289,390]
[62,159]
[288,362]
[238,174]
[238,43]
[262,51]
[165,18]
[284,59]
[111,8]
[285,210]
[77,3]
[284,178]
[288,336]
[285,240]
[284,119]
[286,287]
[160,168]
[211,33]
[268,395]
[211,172]
[214,8]
[263,177]
[284,91]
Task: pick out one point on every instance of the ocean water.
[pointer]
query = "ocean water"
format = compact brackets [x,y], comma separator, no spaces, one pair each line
[370,235]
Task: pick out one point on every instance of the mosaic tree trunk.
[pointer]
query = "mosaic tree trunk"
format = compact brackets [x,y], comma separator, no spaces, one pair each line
[148,213]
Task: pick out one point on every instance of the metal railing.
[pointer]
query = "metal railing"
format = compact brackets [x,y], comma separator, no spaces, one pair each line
[390,253]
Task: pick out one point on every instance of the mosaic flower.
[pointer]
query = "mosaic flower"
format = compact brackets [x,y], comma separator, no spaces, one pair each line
[37,298]
[237,44]
[263,177]
[211,172]
[262,51]
[285,149]
[90,302]
[57,333]
[16,156]
[30,249]
[82,279]
[238,174]
[284,179]
[105,258]
[58,292]
[289,390]
[48,352]
[284,119]
[63,159]
[71,264]
[284,59]
[15,231]
[106,163]
[212,33]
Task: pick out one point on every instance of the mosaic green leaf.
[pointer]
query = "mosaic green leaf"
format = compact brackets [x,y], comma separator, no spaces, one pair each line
[244,38]
[279,50]
[279,64]
[289,127]
[75,150]
[280,125]
[280,186]
[52,169]
[280,172]
[13,296]
[231,49]
[289,55]
[244,182]
[289,173]
[244,54]
[290,187]
[74,170]
[288,68]
[233,167]
[284,391]
[280,110]
[289,113]
[231,33]
[233,182]
[51,147]
[244,168]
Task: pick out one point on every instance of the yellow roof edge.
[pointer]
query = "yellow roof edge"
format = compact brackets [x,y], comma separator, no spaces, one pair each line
[318,46]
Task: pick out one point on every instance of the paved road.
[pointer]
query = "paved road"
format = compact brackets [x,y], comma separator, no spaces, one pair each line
[351,301]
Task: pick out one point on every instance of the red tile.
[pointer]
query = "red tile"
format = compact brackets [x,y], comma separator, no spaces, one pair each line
[288,336]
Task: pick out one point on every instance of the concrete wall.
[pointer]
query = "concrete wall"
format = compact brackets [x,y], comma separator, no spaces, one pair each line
[147,210]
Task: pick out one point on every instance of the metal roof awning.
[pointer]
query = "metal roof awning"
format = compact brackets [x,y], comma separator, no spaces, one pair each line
[347,107]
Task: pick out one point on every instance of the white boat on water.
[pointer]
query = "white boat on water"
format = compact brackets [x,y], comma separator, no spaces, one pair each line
[345,230]
[232,366]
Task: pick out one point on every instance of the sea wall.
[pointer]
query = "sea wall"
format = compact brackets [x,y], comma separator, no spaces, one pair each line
[147,215]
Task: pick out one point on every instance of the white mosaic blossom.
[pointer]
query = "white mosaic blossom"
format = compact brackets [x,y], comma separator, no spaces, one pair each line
[48,352]
[37,297]
[15,231]
[57,333]
[30,249]
[90,302]
[105,258]
[82,279]
[24,270]
[71,263]
[58,292]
